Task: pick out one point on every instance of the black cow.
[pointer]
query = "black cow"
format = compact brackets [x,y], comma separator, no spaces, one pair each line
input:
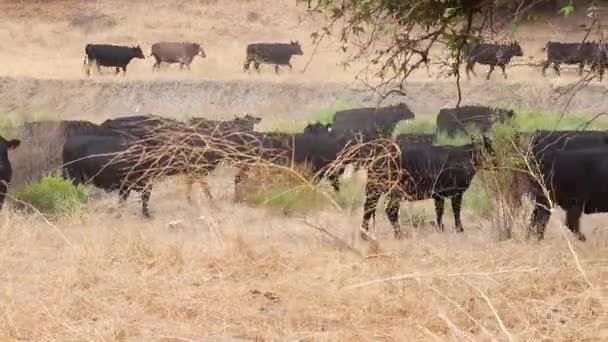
[575,180]
[371,121]
[6,172]
[492,55]
[129,164]
[271,53]
[110,56]
[587,53]
[424,172]
[142,126]
[176,52]
[540,141]
[457,120]
[67,128]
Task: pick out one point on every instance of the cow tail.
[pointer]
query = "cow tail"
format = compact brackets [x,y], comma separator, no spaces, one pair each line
[86,59]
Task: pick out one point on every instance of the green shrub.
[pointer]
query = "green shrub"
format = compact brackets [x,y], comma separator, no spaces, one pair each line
[54,195]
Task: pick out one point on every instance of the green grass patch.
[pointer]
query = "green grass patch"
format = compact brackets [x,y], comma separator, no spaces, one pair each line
[425,124]
[530,120]
[326,115]
[54,195]
[286,126]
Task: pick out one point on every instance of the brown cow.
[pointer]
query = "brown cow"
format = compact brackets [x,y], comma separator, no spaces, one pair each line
[174,52]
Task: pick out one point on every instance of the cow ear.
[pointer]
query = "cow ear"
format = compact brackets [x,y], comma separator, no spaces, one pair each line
[13,144]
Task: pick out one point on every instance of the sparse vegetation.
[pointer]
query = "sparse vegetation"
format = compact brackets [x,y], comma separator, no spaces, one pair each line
[54,195]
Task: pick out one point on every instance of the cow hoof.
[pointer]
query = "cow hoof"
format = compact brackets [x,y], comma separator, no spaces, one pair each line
[581,237]
[364,235]
[399,235]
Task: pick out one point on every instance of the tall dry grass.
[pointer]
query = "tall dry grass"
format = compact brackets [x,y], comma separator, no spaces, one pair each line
[196,273]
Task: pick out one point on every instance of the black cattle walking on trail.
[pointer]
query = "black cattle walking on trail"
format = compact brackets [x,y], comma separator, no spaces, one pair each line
[587,53]
[424,171]
[110,56]
[176,52]
[271,53]
[492,55]
[6,172]
[457,120]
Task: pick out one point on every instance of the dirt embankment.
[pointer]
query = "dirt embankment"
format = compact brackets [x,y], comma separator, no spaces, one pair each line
[99,99]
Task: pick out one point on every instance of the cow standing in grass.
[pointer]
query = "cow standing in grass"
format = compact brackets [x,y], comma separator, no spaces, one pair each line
[422,171]
[6,172]
[271,53]
[492,55]
[110,56]
[567,168]
[176,52]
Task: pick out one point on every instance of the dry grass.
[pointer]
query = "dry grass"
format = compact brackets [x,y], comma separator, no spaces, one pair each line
[195,273]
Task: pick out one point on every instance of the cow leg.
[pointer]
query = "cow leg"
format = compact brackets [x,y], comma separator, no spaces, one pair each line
[276,69]
[246,66]
[3,188]
[581,67]
[545,66]
[240,177]
[372,196]
[334,180]
[573,220]
[456,208]
[392,213]
[189,183]
[504,71]
[98,69]
[439,206]
[145,201]
[556,68]
[256,65]
[469,68]
[490,72]
[117,71]
[540,217]
[123,194]
[290,67]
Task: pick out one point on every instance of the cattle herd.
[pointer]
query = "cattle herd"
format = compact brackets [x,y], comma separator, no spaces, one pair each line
[591,54]
[133,152]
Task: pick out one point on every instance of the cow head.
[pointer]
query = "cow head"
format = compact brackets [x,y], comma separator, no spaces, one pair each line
[137,52]
[9,144]
[482,148]
[296,49]
[515,49]
[201,52]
